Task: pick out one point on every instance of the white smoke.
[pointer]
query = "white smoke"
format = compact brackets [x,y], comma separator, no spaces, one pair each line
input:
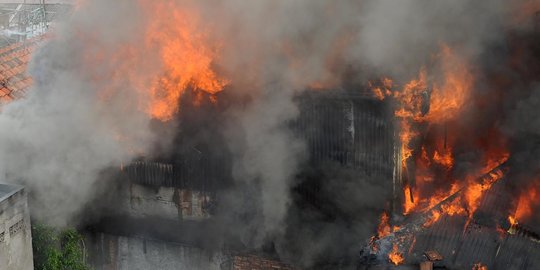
[59,138]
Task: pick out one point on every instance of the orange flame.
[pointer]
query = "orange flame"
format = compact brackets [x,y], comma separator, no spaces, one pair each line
[435,215]
[446,159]
[479,266]
[475,190]
[451,209]
[384,227]
[383,89]
[528,200]
[409,205]
[512,221]
[395,256]
[437,105]
[186,56]
[448,99]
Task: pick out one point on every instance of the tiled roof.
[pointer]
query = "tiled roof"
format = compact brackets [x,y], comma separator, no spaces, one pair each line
[14,59]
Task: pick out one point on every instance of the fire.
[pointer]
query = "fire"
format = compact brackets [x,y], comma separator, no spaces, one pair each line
[411,97]
[524,205]
[473,195]
[395,256]
[512,220]
[451,209]
[528,200]
[384,227]
[475,190]
[435,215]
[382,90]
[409,204]
[174,54]
[383,230]
[438,197]
[423,103]
[479,266]
[186,57]
[446,159]
[448,99]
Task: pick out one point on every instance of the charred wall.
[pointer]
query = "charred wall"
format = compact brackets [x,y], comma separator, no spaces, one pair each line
[352,130]
[346,181]
[342,185]
[339,128]
[345,132]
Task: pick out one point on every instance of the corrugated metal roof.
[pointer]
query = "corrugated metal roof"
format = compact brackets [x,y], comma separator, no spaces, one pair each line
[479,245]
[482,240]
[517,252]
[443,237]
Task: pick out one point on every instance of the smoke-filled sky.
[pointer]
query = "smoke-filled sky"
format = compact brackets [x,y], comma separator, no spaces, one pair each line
[91,103]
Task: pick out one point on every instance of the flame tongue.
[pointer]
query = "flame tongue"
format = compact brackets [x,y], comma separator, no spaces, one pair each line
[528,200]
[426,112]
[395,256]
[186,55]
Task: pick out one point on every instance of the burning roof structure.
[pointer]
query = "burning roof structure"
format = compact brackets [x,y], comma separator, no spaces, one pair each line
[471,217]
[404,139]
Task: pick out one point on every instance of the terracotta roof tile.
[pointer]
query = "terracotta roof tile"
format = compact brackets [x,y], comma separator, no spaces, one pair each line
[14,60]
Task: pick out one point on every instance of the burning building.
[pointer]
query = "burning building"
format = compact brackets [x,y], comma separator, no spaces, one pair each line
[463,210]
[199,141]
[156,201]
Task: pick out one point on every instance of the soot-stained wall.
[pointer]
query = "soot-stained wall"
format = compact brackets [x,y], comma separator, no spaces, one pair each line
[353,130]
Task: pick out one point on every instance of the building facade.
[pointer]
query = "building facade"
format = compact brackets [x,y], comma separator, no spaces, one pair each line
[15,230]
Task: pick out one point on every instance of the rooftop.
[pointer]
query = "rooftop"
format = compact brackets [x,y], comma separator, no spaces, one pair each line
[14,59]
[7,190]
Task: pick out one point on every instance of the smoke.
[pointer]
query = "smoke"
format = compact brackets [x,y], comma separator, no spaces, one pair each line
[272,51]
[86,110]
[397,38]
[77,120]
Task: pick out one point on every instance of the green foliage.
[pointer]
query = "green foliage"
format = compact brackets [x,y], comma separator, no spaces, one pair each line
[57,250]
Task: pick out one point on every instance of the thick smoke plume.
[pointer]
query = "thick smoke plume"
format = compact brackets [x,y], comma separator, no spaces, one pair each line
[78,118]
[88,107]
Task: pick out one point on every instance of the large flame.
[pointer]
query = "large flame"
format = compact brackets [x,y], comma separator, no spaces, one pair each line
[186,56]
[527,202]
[448,98]
[427,108]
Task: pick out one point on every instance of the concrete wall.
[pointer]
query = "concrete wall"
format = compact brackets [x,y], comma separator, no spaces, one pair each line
[142,201]
[110,252]
[15,231]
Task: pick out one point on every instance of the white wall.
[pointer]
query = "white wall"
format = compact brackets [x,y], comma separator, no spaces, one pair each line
[16,245]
